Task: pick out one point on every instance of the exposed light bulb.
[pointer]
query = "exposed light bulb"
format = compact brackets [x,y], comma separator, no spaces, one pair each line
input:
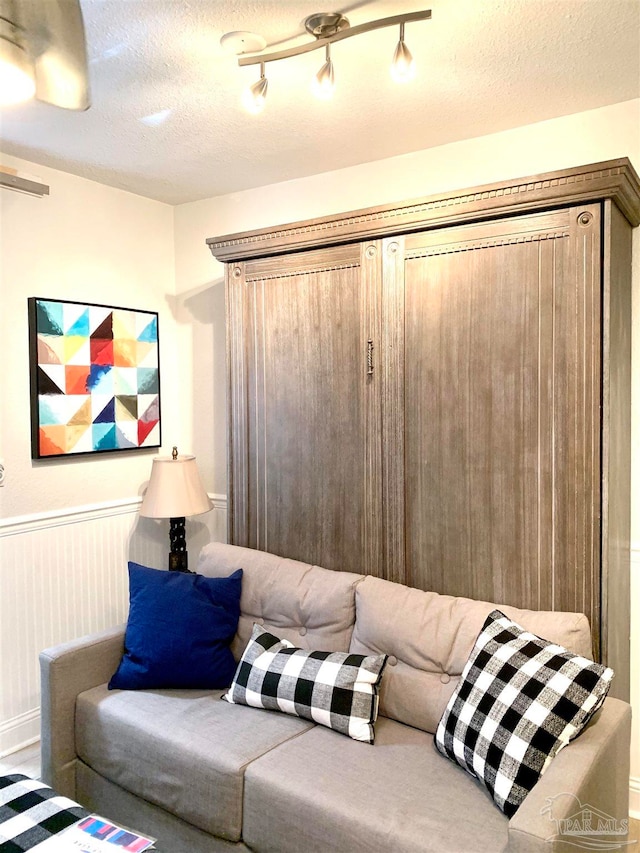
[17,82]
[323,83]
[255,96]
[403,68]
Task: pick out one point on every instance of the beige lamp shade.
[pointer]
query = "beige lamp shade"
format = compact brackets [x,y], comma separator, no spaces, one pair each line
[175,489]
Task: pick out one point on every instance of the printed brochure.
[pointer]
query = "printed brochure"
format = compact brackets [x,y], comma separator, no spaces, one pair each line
[94,834]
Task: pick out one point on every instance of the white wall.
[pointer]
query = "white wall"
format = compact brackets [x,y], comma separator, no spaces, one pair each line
[574,140]
[84,242]
[68,526]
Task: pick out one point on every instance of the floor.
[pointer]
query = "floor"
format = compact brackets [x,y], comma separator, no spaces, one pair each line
[27,761]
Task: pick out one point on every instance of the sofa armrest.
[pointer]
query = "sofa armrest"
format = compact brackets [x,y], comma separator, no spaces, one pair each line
[591,771]
[66,671]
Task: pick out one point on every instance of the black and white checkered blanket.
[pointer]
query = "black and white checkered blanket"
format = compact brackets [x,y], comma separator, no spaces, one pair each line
[31,812]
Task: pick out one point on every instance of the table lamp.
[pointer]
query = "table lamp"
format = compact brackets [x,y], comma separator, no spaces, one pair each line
[175,491]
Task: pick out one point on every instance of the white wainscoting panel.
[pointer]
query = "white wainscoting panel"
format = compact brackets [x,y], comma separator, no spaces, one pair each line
[64,575]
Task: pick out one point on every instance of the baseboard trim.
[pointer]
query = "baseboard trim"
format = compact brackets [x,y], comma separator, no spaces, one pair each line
[19,732]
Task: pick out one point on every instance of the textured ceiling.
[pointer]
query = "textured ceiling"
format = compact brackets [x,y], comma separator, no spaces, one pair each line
[166,120]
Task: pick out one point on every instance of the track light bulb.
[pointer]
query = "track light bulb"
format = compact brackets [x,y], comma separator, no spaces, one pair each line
[17,82]
[403,68]
[255,96]
[323,83]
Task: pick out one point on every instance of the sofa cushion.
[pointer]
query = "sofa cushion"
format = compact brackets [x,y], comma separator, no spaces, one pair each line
[429,637]
[179,630]
[336,689]
[398,795]
[183,750]
[178,836]
[311,607]
[520,700]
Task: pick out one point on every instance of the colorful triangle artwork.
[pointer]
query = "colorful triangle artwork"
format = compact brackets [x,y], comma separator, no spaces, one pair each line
[100,378]
[124,352]
[82,415]
[54,346]
[80,326]
[146,354]
[94,378]
[144,429]
[125,380]
[124,325]
[72,344]
[52,440]
[108,414]
[127,407]
[104,331]
[149,408]
[46,385]
[46,353]
[123,439]
[74,432]
[76,378]
[149,333]
[49,317]
[101,351]
[148,380]
[105,438]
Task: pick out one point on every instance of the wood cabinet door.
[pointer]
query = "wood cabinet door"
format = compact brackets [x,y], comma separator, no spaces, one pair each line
[493,422]
[305,457]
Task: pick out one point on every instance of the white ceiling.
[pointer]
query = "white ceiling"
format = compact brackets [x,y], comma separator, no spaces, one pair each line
[166,120]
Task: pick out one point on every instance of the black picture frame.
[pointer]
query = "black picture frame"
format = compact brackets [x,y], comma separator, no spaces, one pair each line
[94,378]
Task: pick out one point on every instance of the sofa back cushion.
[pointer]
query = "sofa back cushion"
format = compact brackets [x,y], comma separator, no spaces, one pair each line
[429,638]
[311,607]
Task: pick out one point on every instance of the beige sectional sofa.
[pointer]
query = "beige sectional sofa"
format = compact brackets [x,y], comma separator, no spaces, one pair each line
[204,775]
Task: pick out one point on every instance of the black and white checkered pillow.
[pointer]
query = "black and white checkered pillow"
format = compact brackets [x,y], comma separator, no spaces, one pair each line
[519,701]
[335,689]
[31,812]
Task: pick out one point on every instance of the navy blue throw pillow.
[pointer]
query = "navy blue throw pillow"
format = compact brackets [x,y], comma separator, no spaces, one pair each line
[179,630]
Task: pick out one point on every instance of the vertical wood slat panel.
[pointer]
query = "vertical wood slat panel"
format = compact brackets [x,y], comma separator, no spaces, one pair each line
[617,590]
[298,342]
[238,477]
[65,577]
[371,264]
[503,374]
[393,407]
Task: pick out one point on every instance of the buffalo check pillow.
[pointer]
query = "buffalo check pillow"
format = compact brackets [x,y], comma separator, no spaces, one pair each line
[336,689]
[519,701]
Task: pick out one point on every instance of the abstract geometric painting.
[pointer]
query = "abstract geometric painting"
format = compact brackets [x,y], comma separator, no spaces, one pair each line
[95,378]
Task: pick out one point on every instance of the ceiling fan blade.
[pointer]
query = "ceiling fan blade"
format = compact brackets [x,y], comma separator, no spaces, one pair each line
[54,36]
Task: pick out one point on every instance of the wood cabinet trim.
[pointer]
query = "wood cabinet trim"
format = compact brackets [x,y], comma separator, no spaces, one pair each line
[616,180]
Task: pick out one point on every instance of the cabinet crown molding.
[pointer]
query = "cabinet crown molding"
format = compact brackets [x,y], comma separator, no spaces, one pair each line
[612,179]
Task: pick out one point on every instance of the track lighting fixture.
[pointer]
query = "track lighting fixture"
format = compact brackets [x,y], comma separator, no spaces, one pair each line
[323,83]
[256,94]
[327,28]
[403,68]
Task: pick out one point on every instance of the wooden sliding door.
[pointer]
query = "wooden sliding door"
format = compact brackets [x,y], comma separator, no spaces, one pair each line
[501,373]
[305,459]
